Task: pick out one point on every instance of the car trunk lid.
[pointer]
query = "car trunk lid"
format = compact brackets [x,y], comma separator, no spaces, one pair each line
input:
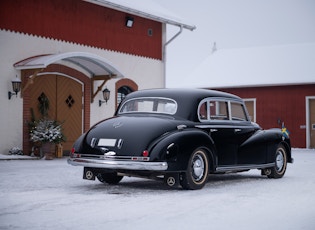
[126,135]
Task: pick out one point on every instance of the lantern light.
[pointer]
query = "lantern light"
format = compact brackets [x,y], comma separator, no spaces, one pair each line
[16,86]
[106,95]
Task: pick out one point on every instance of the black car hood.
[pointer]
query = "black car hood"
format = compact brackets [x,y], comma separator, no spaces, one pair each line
[127,135]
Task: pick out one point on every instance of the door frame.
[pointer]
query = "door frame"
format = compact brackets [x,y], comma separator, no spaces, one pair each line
[254,107]
[308,125]
[58,69]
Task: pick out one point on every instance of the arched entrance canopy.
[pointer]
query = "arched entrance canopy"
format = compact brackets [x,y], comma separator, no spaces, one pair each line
[92,63]
[97,67]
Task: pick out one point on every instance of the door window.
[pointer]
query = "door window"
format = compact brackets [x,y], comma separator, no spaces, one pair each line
[238,112]
[213,110]
[218,110]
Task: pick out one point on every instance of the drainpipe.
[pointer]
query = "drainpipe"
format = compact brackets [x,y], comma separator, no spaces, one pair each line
[164,50]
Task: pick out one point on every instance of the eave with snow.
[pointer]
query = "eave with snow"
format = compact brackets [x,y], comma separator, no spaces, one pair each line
[257,66]
[145,9]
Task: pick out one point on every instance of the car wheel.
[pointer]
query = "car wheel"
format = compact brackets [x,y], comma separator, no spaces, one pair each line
[109,178]
[196,174]
[280,164]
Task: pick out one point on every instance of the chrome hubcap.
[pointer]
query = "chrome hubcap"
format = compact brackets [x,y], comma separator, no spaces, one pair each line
[279,161]
[198,167]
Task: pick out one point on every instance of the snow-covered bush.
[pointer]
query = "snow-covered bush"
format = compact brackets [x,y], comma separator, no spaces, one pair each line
[15,151]
[45,130]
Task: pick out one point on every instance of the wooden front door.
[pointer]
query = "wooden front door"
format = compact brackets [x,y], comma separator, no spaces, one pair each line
[65,104]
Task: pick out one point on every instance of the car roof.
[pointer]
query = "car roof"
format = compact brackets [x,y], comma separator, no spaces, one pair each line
[180,94]
[187,99]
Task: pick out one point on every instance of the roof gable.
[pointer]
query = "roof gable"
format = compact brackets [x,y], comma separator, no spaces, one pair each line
[258,66]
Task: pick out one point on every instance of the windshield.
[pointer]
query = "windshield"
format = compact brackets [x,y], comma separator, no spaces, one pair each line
[149,105]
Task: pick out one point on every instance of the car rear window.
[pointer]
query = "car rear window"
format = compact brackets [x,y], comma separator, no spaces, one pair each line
[149,105]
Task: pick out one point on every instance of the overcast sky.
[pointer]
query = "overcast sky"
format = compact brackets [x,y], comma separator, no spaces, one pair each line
[234,24]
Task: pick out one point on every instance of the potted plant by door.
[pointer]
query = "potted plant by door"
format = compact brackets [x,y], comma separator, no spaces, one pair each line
[45,132]
[49,134]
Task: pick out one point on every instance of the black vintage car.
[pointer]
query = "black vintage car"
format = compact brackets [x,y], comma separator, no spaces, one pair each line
[181,136]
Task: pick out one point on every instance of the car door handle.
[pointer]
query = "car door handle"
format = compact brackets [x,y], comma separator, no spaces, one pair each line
[237,130]
[213,130]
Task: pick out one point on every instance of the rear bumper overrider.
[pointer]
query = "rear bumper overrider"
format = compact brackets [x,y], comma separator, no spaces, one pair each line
[119,164]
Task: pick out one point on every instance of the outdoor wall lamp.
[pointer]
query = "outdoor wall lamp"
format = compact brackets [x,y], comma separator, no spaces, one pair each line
[106,94]
[16,86]
[129,21]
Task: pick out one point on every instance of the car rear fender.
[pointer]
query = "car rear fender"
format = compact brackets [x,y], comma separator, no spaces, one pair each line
[176,147]
[78,143]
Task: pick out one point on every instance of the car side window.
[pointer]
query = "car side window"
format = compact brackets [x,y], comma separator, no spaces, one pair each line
[214,109]
[218,110]
[238,112]
[203,111]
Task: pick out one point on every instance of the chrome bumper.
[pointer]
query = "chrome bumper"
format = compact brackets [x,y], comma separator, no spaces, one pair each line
[118,164]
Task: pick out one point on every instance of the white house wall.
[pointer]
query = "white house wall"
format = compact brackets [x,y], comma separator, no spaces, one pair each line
[14,47]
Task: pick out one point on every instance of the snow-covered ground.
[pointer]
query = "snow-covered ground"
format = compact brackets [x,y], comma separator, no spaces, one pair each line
[50,194]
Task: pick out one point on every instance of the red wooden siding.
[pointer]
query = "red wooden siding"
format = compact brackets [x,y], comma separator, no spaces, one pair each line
[84,23]
[286,103]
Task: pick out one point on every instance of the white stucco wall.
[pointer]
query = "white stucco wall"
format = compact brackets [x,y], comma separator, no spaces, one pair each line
[14,47]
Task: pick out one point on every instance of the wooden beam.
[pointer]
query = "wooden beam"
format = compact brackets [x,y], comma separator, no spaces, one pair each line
[30,80]
[103,78]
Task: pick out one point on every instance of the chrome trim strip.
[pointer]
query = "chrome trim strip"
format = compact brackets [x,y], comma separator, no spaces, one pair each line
[109,155]
[124,158]
[223,126]
[116,164]
[243,167]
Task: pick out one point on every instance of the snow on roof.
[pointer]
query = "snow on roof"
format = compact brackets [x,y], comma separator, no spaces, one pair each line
[147,9]
[258,66]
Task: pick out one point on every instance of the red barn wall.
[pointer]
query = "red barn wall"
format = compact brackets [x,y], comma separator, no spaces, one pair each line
[287,103]
[84,23]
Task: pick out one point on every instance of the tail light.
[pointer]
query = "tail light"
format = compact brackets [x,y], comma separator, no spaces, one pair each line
[73,154]
[145,153]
